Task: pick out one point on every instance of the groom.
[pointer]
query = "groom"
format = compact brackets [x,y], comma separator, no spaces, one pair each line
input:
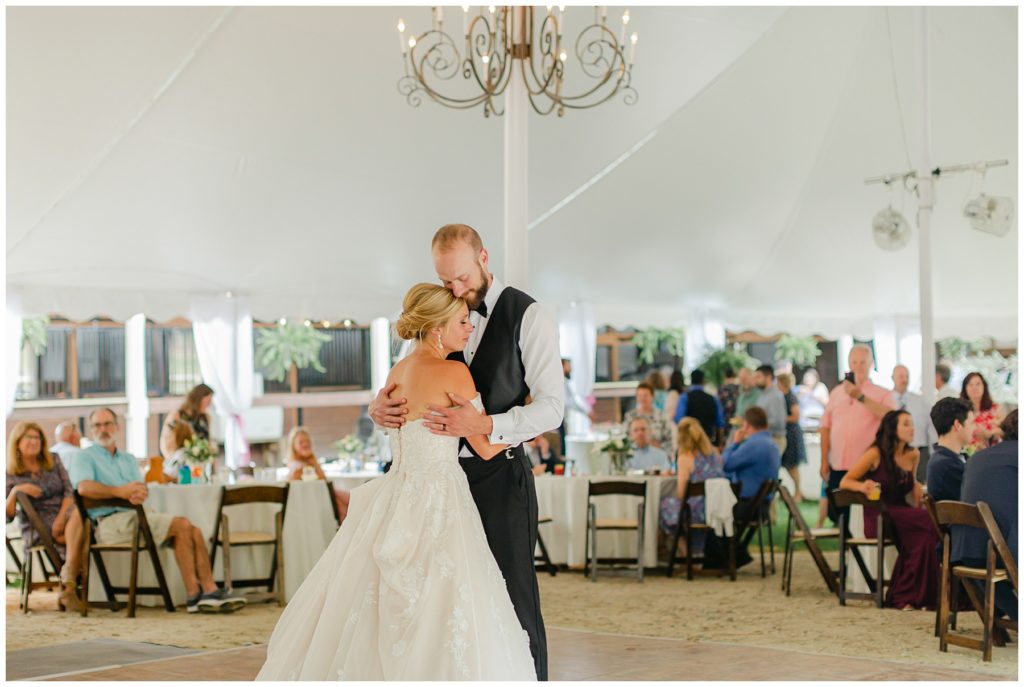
[512,354]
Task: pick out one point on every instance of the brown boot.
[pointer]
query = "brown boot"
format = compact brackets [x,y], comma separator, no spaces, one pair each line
[69,599]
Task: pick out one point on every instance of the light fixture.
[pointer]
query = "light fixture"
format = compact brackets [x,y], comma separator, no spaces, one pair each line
[890,229]
[307,323]
[347,324]
[325,324]
[508,39]
[282,321]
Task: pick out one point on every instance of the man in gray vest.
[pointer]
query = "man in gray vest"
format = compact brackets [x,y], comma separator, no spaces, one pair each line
[512,354]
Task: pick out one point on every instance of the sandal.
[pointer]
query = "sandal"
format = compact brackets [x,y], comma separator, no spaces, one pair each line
[69,598]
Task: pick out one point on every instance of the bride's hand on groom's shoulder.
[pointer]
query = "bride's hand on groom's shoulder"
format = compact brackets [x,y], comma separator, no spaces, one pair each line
[388,412]
[461,420]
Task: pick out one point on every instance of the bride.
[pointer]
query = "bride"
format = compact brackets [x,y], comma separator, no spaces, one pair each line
[408,589]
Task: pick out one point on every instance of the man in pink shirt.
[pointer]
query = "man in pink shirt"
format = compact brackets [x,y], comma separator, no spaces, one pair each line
[851,418]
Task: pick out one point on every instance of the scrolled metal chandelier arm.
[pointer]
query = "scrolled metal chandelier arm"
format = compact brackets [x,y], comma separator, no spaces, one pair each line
[495,40]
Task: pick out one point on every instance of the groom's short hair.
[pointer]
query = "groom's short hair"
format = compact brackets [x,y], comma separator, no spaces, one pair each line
[450,234]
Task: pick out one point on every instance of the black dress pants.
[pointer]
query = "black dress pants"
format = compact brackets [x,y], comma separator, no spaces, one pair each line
[504,492]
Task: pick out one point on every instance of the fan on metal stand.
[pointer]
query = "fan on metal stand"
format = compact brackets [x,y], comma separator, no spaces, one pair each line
[890,229]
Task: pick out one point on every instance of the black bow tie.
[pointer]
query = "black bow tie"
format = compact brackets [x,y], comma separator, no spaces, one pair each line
[482,309]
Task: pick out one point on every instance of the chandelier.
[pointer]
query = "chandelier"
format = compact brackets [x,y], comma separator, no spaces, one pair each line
[501,45]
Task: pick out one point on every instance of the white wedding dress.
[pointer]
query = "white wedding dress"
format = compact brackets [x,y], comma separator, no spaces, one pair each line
[408,588]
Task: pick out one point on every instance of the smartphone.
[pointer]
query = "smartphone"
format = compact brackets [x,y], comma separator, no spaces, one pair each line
[850,378]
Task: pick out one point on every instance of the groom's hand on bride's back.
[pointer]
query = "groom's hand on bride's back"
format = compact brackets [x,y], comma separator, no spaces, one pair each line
[388,412]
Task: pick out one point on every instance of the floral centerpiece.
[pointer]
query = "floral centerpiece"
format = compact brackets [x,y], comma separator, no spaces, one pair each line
[348,447]
[619,450]
[199,458]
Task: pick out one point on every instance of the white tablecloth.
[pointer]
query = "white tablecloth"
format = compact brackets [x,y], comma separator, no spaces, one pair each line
[855,579]
[564,499]
[309,526]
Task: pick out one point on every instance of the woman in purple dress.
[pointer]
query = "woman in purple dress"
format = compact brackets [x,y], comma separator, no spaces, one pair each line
[39,474]
[890,465]
[698,461]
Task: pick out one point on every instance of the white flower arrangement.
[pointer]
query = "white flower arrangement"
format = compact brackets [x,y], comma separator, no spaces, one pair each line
[198,450]
[348,445]
[618,445]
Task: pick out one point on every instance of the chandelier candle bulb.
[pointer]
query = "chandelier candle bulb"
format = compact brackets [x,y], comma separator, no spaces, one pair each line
[632,48]
[604,13]
[401,36]
[622,31]
[465,20]
[412,41]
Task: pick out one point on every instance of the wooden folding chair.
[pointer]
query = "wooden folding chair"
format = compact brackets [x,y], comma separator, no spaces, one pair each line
[13,551]
[809,537]
[334,503]
[685,527]
[842,499]
[45,549]
[225,538]
[95,550]
[978,516]
[758,520]
[544,557]
[595,524]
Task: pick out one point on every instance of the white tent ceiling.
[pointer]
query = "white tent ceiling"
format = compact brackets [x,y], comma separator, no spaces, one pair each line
[157,152]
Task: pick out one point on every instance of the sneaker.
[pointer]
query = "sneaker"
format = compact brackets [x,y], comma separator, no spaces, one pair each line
[230,601]
[208,602]
[192,605]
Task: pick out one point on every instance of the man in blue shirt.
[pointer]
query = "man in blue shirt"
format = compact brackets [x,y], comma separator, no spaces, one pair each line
[102,471]
[645,455]
[751,457]
[702,406]
[954,422]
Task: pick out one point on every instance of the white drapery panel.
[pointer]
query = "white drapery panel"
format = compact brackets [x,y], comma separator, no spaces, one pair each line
[137,418]
[223,336]
[703,331]
[577,335]
[12,348]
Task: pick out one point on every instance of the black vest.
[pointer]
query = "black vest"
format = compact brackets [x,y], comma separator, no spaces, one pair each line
[497,367]
[701,406]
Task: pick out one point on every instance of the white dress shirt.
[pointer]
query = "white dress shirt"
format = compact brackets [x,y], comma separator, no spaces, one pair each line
[542,361]
[914,404]
[66,451]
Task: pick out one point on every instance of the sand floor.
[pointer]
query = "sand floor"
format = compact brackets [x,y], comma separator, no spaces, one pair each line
[750,611]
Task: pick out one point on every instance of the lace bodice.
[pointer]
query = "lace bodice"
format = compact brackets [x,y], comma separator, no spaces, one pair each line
[415,448]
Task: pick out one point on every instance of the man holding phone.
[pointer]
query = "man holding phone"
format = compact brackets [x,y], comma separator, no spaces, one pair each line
[855,409]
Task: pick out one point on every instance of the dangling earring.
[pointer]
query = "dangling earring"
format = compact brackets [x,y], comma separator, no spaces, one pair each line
[440,347]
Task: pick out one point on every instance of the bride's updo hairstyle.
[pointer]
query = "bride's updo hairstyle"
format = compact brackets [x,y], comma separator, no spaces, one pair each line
[425,307]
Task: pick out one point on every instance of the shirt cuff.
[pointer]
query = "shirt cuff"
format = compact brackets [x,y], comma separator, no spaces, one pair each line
[501,430]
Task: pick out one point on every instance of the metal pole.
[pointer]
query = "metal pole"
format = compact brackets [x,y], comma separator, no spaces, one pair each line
[516,110]
[926,200]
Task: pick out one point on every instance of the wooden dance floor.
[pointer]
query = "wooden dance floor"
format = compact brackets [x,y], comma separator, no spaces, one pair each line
[575,655]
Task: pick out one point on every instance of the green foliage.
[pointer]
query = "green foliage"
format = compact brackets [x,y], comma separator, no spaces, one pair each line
[649,341]
[277,349]
[717,360]
[955,348]
[33,332]
[799,350]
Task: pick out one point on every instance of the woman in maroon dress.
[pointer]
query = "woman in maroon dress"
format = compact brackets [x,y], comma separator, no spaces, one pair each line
[890,464]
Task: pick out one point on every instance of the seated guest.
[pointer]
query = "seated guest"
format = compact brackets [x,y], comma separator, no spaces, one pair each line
[991,476]
[660,432]
[954,422]
[37,473]
[987,413]
[69,441]
[751,458]
[301,458]
[646,456]
[889,465]
[103,471]
[543,457]
[699,404]
[697,461]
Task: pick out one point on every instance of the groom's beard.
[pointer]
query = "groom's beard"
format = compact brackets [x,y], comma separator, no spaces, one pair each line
[476,296]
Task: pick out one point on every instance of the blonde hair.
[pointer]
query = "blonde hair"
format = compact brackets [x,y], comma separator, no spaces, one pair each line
[15,465]
[786,380]
[451,234]
[426,306]
[691,438]
[292,436]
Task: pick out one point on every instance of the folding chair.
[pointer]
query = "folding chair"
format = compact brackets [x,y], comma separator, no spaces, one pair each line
[809,537]
[544,557]
[95,550]
[842,499]
[13,552]
[979,516]
[685,528]
[45,549]
[595,524]
[760,519]
[225,538]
